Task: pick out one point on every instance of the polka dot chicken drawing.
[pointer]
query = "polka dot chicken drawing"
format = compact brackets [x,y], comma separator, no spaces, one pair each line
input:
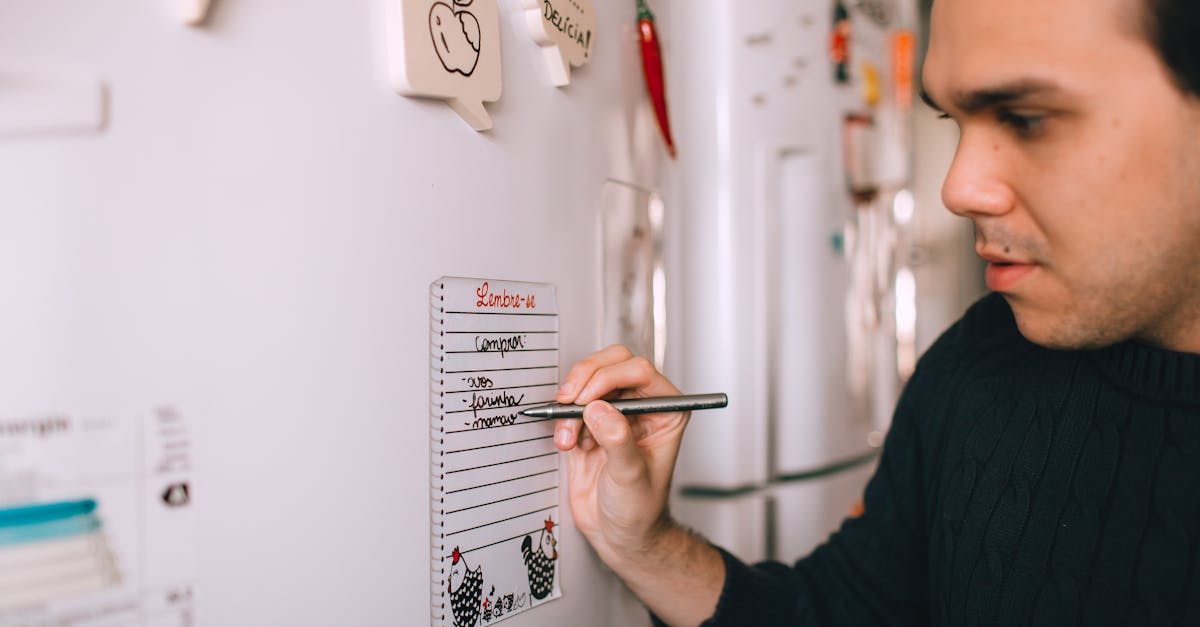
[465,588]
[540,563]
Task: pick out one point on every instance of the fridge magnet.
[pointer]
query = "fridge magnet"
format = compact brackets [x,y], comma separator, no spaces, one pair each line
[652,66]
[193,12]
[449,50]
[872,84]
[839,44]
[903,60]
[881,12]
[42,100]
[494,472]
[564,30]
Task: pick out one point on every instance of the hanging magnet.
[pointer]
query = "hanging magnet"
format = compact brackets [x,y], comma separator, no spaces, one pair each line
[872,90]
[840,43]
[564,29]
[193,12]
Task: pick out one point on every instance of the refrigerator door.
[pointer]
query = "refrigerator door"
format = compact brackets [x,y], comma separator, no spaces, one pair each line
[816,419]
[717,336]
[807,512]
[761,180]
[739,524]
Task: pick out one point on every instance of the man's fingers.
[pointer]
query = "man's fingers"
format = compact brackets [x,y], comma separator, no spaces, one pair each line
[566,433]
[573,434]
[612,433]
[636,373]
[586,442]
[582,371]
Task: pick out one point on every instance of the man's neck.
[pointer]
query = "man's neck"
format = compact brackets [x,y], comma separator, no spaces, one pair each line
[1179,332]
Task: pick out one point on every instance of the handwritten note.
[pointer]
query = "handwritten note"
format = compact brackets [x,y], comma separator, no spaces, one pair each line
[495,481]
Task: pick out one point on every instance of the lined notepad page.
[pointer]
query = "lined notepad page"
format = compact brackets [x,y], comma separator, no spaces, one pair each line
[495,480]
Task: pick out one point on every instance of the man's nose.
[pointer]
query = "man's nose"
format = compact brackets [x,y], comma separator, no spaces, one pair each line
[975,185]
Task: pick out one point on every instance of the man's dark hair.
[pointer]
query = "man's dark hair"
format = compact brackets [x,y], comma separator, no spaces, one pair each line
[1173,27]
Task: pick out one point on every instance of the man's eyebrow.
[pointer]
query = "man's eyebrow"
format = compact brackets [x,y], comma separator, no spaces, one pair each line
[988,97]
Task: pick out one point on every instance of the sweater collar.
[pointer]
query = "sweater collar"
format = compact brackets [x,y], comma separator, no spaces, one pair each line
[1153,372]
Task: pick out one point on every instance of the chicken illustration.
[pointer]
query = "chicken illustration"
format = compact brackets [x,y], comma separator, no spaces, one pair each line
[465,587]
[541,562]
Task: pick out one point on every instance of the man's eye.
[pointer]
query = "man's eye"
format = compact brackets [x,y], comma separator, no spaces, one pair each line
[1023,125]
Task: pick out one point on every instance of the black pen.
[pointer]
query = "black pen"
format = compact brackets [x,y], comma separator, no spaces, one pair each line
[631,406]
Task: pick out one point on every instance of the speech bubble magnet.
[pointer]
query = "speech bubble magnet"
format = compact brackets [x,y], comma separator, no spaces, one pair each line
[449,50]
[565,30]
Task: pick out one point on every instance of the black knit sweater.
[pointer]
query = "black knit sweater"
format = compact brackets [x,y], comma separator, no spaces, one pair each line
[1018,486]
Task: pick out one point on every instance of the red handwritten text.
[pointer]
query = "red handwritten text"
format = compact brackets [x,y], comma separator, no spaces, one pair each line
[503,300]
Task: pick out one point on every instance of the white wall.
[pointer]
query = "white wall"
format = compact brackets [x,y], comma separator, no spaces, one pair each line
[250,240]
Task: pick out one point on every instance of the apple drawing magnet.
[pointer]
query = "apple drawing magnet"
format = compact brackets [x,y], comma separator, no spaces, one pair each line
[449,50]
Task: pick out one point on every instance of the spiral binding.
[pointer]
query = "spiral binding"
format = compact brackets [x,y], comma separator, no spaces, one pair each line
[437,429]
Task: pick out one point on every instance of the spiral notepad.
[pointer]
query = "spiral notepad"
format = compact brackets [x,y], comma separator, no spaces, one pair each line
[495,480]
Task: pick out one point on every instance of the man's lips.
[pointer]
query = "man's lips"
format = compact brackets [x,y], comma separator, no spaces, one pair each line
[1004,277]
[1005,272]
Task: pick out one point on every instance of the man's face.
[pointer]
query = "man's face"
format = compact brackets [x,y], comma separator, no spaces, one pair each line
[1079,163]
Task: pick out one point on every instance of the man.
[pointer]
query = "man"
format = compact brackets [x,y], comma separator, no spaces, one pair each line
[1044,462]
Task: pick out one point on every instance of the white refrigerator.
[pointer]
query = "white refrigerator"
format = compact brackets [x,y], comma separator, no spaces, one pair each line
[790,207]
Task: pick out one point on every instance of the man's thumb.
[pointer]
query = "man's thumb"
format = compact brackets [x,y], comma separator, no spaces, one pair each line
[612,432]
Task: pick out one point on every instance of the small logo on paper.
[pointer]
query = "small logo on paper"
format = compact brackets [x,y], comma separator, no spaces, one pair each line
[176,495]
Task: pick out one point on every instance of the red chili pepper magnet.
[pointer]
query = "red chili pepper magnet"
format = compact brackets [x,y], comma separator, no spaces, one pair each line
[841,43]
[653,68]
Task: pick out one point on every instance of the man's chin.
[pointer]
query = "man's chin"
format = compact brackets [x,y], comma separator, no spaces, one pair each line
[1060,330]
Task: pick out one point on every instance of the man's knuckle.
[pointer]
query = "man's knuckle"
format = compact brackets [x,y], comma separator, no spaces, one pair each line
[580,370]
[619,350]
[643,367]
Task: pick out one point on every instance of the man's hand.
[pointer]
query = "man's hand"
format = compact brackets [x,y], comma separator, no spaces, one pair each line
[619,470]
[619,489]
